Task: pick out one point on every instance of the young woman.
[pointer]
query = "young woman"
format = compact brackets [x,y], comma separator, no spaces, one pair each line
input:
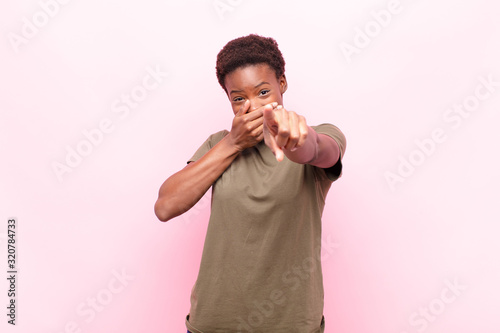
[261,267]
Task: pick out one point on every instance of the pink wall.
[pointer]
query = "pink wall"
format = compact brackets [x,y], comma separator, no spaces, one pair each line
[414,85]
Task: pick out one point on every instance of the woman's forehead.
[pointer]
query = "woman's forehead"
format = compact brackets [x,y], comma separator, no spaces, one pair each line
[250,75]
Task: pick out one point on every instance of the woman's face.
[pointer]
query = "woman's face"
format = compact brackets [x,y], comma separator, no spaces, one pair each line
[256,83]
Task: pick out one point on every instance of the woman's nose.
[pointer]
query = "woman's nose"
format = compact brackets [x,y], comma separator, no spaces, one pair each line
[254,105]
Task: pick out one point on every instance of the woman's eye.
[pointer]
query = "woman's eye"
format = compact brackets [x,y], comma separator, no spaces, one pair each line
[264,92]
[237,99]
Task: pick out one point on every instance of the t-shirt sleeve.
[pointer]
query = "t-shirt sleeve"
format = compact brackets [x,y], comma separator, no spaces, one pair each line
[334,172]
[208,144]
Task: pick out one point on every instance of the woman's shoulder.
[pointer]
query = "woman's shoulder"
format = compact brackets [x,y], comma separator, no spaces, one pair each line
[214,138]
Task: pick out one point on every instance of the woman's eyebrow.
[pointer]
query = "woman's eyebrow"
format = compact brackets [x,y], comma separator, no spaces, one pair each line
[238,91]
[261,84]
[235,91]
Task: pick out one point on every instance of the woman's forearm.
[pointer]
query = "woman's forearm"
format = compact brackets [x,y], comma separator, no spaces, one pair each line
[318,149]
[184,189]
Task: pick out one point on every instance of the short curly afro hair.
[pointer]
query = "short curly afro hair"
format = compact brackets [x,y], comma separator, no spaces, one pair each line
[249,50]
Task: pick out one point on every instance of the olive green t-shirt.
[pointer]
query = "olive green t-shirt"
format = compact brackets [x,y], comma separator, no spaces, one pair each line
[260,269]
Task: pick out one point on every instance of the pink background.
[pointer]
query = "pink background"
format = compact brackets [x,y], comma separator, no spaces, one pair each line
[400,247]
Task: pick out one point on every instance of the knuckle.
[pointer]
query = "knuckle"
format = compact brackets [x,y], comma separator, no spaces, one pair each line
[285,132]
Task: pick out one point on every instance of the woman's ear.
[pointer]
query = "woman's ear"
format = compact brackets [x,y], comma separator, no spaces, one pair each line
[283,84]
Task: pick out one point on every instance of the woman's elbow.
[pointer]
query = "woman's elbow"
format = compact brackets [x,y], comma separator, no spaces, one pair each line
[161,211]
